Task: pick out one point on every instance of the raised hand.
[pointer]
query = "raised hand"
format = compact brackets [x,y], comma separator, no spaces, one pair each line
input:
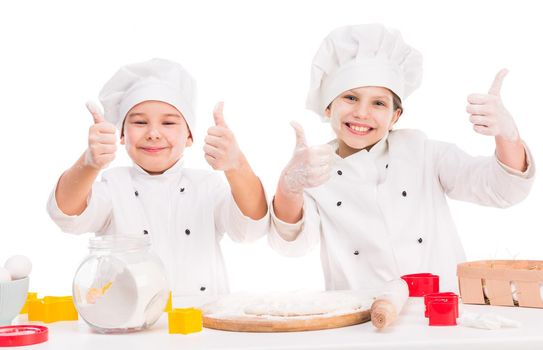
[221,149]
[488,114]
[308,167]
[102,140]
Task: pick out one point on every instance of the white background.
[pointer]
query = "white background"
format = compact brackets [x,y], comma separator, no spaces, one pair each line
[256,57]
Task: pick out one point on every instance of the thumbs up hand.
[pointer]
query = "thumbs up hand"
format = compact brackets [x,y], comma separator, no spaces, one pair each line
[221,149]
[488,113]
[308,167]
[102,140]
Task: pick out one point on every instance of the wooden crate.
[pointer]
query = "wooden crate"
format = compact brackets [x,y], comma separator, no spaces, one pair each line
[490,282]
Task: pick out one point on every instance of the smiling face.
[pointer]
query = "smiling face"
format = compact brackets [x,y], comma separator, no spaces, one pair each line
[155,135]
[361,117]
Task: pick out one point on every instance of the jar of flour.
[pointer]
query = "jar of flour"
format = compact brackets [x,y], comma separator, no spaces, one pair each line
[121,286]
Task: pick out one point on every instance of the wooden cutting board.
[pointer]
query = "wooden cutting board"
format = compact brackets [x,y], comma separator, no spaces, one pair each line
[285,324]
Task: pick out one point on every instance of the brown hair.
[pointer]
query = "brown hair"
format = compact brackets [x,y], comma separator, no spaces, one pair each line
[122,127]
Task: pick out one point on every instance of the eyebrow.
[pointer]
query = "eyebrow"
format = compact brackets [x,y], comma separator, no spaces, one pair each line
[383,97]
[378,96]
[171,115]
[135,114]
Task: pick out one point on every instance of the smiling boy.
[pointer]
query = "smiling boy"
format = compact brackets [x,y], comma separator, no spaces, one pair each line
[184,211]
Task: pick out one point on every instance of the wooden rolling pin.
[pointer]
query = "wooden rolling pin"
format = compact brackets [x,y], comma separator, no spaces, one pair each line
[386,307]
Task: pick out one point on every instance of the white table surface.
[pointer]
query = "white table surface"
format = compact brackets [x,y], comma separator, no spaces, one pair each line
[410,331]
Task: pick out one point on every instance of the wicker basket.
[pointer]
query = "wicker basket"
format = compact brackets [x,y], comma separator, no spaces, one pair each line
[491,282]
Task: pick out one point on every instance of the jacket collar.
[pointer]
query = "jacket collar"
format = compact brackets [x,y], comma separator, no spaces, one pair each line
[172,172]
[378,150]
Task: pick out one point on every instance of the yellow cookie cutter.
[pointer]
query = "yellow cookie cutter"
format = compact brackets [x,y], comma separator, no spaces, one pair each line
[52,309]
[168,306]
[31,296]
[184,321]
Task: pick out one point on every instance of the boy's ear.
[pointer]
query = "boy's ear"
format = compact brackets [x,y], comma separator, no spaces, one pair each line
[122,139]
[395,118]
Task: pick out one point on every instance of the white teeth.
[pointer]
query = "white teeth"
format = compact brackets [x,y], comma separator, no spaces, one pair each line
[359,128]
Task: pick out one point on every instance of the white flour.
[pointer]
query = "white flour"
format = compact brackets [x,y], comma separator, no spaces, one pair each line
[134,300]
[296,304]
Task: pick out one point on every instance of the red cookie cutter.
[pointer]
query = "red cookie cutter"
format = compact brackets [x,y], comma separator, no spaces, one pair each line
[440,296]
[420,284]
[22,335]
[442,312]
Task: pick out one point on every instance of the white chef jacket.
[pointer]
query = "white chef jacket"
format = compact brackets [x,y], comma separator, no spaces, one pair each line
[384,213]
[185,212]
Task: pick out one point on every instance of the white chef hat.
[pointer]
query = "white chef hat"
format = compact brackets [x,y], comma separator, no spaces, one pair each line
[362,55]
[154,80]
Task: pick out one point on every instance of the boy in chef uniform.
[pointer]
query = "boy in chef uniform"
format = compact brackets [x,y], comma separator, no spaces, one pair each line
[375,198]
[185,212]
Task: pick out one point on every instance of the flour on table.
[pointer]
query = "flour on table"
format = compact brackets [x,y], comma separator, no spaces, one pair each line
[295,304]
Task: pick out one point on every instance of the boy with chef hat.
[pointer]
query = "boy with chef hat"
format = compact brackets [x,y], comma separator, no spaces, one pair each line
[185,212]
[375,197]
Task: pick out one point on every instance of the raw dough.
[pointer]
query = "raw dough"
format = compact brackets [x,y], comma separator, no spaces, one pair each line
[295,304]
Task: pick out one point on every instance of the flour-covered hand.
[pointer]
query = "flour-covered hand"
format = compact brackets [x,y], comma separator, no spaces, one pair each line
[221,148]
[488,114]
[308,167]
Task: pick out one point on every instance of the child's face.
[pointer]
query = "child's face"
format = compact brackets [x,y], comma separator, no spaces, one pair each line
[361,117]
[155,135]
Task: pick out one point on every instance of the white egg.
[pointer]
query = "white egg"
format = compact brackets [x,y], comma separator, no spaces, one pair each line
[4,275]
[514,291]
[19,266]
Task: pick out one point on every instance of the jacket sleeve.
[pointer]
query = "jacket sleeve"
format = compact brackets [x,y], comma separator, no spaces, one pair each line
[481,180]
[95,217]
[230,219]
[299,238]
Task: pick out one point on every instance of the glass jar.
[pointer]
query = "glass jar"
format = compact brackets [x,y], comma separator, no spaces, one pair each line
[120,286]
